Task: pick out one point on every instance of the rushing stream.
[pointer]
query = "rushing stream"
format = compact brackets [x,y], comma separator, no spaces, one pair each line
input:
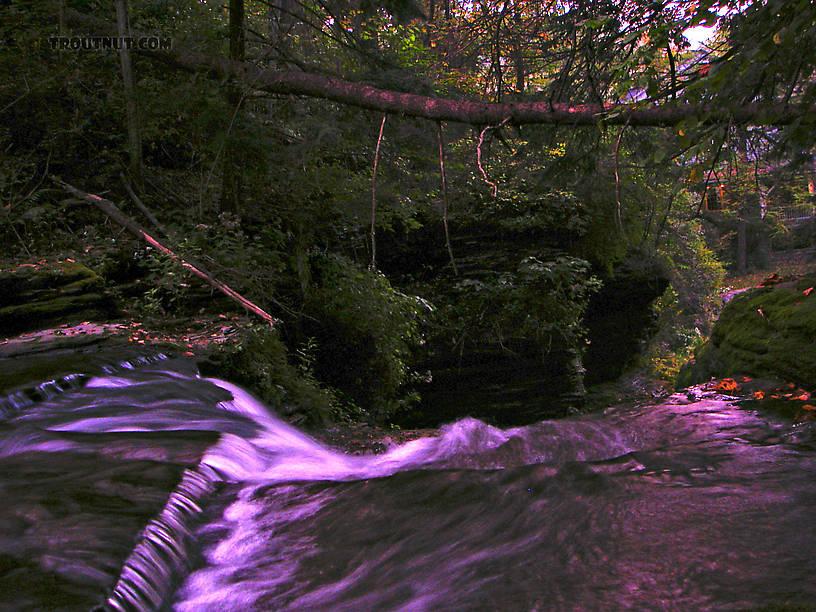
[150,488]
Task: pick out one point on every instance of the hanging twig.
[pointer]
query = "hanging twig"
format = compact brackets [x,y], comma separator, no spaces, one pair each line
[493,185]
[617,179]
[445,197]
[374,197]
[110,209]
[665,220]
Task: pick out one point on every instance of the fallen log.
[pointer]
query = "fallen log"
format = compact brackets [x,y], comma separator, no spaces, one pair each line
[110,209]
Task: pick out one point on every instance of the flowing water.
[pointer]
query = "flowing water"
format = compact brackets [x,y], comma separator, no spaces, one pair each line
[150,488]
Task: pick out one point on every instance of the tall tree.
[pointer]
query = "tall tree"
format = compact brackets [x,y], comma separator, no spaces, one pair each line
[232,179]
[134,139]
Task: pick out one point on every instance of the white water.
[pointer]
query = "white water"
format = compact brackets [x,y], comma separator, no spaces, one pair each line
[688,505]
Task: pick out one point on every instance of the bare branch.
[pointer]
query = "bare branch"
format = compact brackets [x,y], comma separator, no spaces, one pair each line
[110,209]
[493,185]
[374,196]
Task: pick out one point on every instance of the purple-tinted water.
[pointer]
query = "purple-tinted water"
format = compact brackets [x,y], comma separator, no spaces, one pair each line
[697,505]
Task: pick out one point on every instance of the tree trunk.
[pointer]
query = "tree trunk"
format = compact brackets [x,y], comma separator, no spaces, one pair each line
[232,185]
[463,111]
[134,139]
[742,246]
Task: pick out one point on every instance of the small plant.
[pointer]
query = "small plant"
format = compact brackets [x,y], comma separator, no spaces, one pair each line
[367,332]
[687,310]
[260,361]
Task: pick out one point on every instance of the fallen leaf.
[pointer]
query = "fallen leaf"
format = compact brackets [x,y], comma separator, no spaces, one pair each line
[758,395]
[746,379]
[808,407]
[726,384]
[808,290]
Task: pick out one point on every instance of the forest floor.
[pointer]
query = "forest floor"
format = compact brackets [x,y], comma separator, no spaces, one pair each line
[784,264]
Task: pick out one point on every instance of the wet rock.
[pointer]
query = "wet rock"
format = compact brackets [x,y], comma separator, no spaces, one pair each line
[36,296]
[620,317]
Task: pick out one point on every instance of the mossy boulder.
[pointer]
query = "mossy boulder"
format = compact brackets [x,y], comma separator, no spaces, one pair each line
[37,296]
[767,331]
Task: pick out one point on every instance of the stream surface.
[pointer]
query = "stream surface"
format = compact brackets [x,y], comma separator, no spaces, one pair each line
[150,488]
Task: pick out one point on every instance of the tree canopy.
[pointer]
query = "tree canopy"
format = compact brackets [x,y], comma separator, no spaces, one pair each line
[617,63]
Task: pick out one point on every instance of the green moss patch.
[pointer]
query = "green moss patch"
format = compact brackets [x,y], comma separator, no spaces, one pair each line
[767,331]
[35,296]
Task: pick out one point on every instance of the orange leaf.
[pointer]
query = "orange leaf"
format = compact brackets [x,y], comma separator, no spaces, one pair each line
[808,407]
[759,395]
[726,384]
[808,290]
[746,379]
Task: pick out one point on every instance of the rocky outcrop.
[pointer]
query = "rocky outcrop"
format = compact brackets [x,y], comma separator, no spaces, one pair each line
[509,345]
[766,331]
[36,296]
[619,318]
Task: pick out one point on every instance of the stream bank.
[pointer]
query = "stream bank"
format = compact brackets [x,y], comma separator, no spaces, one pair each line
[766,331]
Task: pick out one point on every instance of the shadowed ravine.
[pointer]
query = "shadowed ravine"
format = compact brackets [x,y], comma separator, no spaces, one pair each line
[688,505]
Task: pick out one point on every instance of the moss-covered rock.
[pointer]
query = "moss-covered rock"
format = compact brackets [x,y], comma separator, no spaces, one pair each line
[767,331]
[36,296]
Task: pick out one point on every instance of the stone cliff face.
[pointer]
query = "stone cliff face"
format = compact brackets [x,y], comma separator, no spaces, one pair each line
[33,297]
[619,319]
[510,376]
[764,332]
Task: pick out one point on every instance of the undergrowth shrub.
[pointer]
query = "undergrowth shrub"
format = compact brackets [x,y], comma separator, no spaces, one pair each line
[687,310]
[366,331]
[261,362]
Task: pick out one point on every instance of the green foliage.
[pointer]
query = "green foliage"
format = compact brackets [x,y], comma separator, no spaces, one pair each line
[261,362]
[368,330]
[540,300]
[689,307]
